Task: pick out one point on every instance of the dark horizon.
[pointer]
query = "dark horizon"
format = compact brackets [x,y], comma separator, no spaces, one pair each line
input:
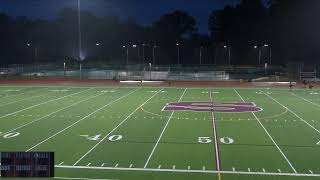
[145,12]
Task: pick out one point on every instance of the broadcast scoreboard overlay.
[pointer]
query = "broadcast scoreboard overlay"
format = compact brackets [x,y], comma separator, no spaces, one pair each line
[156,133]
[27,164]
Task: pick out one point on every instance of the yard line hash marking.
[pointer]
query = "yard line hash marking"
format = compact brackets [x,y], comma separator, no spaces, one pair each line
[305,99]
[43,103]
[163,130]
[271,138]
[123,121]
[101,108]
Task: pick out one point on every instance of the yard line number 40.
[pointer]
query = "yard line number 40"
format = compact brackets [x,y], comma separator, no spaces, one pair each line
[97,137]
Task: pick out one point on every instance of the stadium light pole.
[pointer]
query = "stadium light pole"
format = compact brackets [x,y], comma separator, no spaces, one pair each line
[143,57]
[259,55]
[127,54]
[200,58]
[64,69]
[178,51]
[35,53]
[229,53]
[150,69]
[153,54]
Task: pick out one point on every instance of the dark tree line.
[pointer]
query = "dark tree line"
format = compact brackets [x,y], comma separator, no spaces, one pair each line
[277,31]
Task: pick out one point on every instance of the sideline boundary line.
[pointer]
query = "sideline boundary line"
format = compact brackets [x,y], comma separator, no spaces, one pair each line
[285,157]
[187,171]
[123,121]
[81,178]
[163,130]
[52,136]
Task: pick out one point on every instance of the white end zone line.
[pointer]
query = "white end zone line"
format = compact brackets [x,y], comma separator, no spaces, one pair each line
[271,138]
[73,124]
[44,103]
[189,171]
[36,120]
[292,113]
[96,145]
[163,130]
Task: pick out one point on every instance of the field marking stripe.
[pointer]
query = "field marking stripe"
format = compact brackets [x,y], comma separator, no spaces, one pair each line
[26,98]
[163,130]
[17,94]
[292,112]
[215,134]
[188,171]
[81,178]
[285,157]
[305,99]
[124,120]
[36,120]
[45,103]
[73,124]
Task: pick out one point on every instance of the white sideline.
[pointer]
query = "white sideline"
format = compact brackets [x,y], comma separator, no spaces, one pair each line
[188,171]
[115,128]
[15,94]
[305,99]
[43,103]
[293,113]
[163,130]
[285,157]
[80,120]
[81,178]
[36,120]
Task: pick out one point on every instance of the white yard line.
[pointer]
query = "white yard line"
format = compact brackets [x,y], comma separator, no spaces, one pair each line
[293,113]
[215,134]
[189,171]
[271,138]
[43,103]
[36,120]
[163,130]
[96,145]
[73,124]
[305,99]
[24,99]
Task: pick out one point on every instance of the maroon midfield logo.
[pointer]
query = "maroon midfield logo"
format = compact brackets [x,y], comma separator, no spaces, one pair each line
[212,107]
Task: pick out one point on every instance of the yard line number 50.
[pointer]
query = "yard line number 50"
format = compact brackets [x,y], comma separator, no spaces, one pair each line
[224,140]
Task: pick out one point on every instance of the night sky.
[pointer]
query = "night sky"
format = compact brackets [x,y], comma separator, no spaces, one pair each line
[144,11]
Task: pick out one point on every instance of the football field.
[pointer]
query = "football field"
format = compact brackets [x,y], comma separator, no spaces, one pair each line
[178,133]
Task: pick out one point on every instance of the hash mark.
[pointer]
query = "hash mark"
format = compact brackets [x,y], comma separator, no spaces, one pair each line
[174,167]
[159,166]
[310,171]
[263,170]
[279,170]
[188,167]
[116,165]
[130,165]
[204,168]
[88,164]
[249,170]
[61,163]
[102,164]
[233,169]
